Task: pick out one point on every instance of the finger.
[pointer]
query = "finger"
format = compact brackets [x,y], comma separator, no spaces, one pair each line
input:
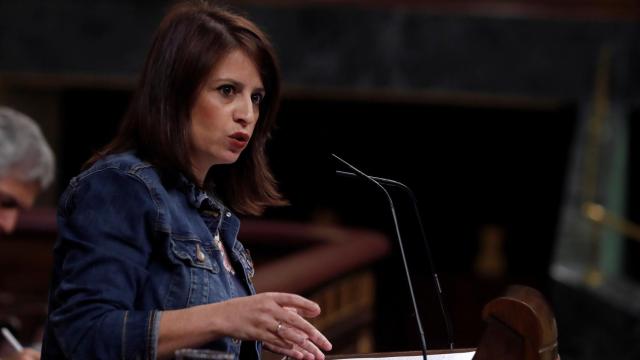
[308,355]
[312,349]
[305,354]
[292,334]
[301,312]
[276,340]
[303,306]
[309,332]
[301,340]
[293,352]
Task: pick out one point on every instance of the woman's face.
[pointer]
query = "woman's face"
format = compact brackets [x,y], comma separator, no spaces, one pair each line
[225,113]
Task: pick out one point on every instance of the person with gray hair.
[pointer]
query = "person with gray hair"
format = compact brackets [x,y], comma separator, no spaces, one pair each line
[26,165]
[26,168]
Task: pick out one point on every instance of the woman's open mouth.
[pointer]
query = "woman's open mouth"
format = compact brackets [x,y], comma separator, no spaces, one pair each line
[239,140]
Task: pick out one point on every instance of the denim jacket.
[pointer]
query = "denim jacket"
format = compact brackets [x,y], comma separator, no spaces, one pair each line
[129,247]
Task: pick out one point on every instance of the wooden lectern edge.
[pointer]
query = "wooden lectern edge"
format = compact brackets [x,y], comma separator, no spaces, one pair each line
[539,312]
[398,354]
[520,326]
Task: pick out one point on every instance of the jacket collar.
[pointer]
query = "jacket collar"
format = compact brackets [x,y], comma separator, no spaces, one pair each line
[197,197]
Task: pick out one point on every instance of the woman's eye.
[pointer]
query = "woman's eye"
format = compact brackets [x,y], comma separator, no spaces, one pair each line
[226,90]
[257,98]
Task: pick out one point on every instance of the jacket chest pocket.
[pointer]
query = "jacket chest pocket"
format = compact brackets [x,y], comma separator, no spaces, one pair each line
[192,275]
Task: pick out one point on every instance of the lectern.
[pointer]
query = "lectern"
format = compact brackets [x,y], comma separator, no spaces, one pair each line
[520,326]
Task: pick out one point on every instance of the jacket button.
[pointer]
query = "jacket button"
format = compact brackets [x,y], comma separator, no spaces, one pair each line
[228,214]
[199,254]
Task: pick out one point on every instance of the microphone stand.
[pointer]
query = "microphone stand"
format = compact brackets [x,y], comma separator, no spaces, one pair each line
[404,258]
[436,280]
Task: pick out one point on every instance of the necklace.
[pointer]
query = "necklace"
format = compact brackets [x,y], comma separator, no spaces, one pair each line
[225,258]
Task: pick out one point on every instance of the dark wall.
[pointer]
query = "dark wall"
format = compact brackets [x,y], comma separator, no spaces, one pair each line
[469,166]
[358,48]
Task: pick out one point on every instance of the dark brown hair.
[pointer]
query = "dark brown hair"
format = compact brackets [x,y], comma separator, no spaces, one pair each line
[190,41]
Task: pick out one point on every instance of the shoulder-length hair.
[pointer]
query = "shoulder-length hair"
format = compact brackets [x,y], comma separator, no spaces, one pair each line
[190,41]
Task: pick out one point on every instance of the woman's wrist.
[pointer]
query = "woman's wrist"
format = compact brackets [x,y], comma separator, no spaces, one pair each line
[217,324]
[190,327]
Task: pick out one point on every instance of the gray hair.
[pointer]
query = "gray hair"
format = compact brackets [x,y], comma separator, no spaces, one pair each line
[24,152]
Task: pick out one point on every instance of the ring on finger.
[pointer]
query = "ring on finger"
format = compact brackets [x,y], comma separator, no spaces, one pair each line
[278,327]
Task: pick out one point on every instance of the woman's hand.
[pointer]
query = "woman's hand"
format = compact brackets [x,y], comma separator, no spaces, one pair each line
[277,319]
[296,352]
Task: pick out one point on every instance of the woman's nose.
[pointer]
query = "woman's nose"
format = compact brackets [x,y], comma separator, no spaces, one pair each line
[245,111]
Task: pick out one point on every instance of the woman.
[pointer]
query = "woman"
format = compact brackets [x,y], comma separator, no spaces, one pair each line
[147,261]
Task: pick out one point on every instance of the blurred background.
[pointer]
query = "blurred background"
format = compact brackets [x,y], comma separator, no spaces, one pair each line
[514,122]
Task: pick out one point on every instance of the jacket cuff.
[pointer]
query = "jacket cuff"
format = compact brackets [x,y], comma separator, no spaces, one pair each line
[140,334]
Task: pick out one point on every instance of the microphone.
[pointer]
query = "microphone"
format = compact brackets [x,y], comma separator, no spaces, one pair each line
[434,274]
[400,244]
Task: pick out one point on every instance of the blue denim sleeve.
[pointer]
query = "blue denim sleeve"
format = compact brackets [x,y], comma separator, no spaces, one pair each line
[106,221]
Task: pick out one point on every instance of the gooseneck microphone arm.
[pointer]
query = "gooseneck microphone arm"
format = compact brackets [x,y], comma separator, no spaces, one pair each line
[404,258]
[434,273]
